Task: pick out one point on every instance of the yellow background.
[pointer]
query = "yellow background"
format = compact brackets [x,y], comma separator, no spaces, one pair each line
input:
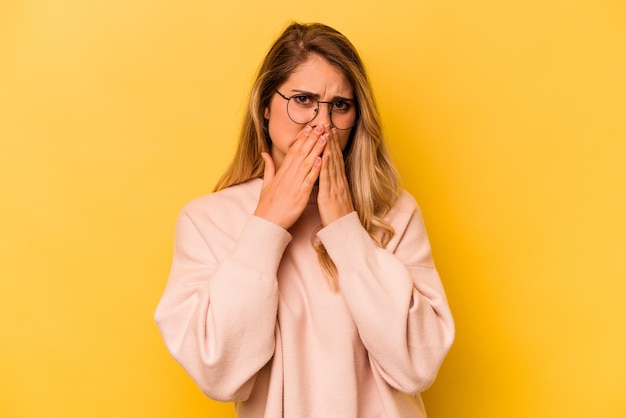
[506,119]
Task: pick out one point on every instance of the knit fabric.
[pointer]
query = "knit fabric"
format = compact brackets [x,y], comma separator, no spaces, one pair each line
[249,314]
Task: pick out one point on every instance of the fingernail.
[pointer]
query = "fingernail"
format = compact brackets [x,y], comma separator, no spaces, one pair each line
[308,129]
[319,129]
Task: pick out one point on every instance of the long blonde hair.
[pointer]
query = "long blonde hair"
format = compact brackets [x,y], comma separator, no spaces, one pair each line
[372,177]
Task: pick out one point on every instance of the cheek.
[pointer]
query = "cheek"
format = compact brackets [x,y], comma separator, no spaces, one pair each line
[282,131]
[277,118]
[279,126]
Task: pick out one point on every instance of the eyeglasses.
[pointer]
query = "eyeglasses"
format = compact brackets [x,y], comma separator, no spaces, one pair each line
[303,108]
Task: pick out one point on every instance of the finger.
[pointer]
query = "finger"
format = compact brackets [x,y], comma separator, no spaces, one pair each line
[325,172]
[318,149]
[324,179]
[270,169]
[314,174]
[338,163]
[312,165]
[334,154]
[306,141]
[335,144]
[307,163]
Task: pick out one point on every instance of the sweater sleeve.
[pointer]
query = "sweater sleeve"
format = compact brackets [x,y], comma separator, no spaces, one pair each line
[218,317]
[395,297]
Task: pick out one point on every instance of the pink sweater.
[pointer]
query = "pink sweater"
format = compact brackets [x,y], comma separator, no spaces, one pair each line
[248,312]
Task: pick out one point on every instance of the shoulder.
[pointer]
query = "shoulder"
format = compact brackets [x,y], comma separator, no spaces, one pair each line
[405,205]
[405,214]
[405,217]
[226,206]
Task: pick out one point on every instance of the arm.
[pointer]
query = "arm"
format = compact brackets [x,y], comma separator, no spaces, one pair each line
[218,317]
[395,297]
[218,313]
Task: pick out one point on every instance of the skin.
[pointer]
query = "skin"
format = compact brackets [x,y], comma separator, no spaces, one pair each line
[301,156]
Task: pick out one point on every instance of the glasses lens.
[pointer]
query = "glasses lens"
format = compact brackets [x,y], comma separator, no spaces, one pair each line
[343,114]
[303,109]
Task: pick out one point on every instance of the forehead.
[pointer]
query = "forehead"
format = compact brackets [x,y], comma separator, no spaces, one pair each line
[317,75]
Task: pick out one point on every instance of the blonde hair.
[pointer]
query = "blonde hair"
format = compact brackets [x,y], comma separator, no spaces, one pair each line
[372,177]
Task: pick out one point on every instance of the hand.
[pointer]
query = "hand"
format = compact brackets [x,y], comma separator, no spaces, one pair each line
[333,200]
[285,193]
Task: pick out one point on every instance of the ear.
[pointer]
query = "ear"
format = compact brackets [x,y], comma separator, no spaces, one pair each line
[266,113]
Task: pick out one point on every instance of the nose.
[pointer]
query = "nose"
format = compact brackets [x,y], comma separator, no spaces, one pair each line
[323,115]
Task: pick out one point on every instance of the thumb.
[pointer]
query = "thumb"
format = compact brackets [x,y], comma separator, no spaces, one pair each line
[270,170]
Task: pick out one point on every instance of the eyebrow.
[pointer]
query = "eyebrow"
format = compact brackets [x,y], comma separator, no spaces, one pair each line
[317,96]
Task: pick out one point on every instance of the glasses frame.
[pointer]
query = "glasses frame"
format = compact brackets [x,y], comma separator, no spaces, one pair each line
[319,102]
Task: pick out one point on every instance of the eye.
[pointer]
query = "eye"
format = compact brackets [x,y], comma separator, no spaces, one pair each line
[304,100]
[342,105]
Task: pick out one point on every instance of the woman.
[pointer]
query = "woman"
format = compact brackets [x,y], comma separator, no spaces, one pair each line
[304,286]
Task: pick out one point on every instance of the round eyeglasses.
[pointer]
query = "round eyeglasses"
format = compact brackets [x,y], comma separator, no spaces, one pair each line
[303,108]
